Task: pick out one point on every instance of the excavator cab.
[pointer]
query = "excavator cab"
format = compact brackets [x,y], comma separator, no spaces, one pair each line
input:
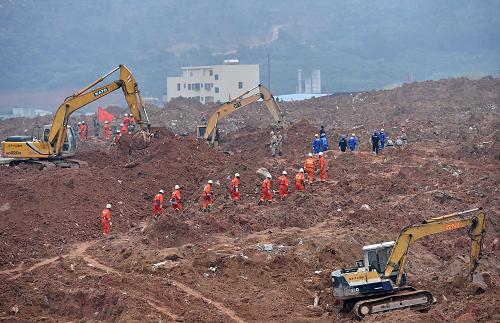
[376,256]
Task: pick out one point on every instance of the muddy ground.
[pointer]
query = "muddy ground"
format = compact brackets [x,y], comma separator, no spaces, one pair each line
[56,266]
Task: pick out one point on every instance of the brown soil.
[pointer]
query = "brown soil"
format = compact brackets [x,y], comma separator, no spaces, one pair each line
[54,265]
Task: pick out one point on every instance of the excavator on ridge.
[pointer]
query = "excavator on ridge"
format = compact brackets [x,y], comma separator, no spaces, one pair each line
[378,282]
[57,143]
[209,131]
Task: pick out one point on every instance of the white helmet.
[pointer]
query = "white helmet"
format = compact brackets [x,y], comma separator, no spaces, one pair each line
[269,176]
[237,175]
[118,131]
[301,170]
[108,206]
[161,191]
[309,155]
[83,122]
[106,121]
[284,172]
[125,115]
[121,124]
[79,123]
[210,181]
[320,153]
[176,187]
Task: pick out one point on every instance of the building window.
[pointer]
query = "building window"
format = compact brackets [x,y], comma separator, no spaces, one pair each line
[216,90]
[240,85]
[184,86]
[201,99]
[178,86]
[196,86]
[216,77]
[189,86]
[207,86]
[211,72]
[209,99]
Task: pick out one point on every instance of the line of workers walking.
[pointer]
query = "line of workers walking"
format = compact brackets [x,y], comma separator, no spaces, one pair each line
[305,176]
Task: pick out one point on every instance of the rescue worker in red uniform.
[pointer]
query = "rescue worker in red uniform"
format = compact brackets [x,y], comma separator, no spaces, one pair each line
[310,166]
[235,190]
[125,122]
[299,180]
[266,191]
[107,130]
[322,167]
[106,219]
[283,180]
[206,197]
[158,205]
[175,199]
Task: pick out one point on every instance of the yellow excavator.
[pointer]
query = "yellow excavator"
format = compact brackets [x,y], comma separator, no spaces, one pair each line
[378,282]
[58,142]
[209,131]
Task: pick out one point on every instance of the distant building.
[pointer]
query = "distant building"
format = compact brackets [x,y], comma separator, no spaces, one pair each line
[216,83]
[25,112]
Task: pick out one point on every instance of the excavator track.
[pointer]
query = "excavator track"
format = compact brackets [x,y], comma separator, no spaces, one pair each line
[414,299]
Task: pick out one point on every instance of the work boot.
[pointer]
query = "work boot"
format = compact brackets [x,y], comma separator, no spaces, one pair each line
[268,202]
[260,202]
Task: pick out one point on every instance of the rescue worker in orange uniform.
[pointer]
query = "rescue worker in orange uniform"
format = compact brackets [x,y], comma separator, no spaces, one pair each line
[80,128]
[107,130]
[322,167]
[158,204]
[206,197]
[310,166]
[299,180]
[125,122]
[117,136]
[123,128]
[175,199]
[283,190]
[235,190]
[106,219]
[266,191]
[84,131]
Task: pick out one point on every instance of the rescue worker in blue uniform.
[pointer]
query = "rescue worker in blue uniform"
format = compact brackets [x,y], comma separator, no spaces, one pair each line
[353,142]
[324,142]
[343,144]
[375,142]
[382,138]
[316,144]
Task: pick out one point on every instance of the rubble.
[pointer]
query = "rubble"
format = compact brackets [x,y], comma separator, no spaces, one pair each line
[245,263]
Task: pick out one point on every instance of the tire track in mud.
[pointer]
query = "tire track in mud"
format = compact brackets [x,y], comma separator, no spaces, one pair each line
[79,250]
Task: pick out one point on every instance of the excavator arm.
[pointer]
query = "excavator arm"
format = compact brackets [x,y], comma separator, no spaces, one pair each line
[240,102]
[473,219]
[85,96]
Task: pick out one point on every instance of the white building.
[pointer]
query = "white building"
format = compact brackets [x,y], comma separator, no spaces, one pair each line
[216,83]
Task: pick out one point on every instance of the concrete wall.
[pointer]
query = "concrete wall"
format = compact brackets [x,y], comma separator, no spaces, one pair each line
[213,83]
